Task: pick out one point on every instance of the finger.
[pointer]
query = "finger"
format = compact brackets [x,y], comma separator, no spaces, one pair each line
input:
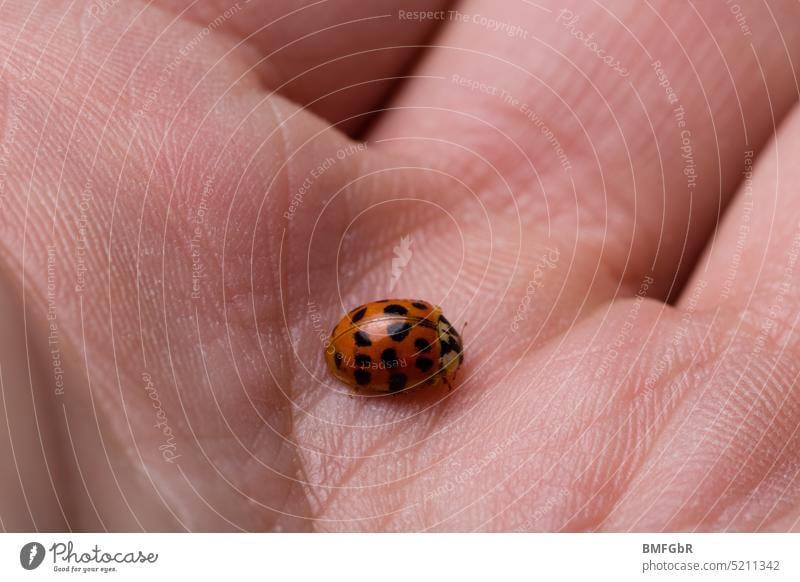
[624,126]
[727,458]
[341,58]
[148,190]
[29,498]
[751,257]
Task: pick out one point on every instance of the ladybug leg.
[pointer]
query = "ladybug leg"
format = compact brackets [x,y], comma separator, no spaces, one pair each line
[447,382]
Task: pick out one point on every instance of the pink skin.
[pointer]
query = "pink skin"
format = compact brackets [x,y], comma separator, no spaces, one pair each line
[161,356]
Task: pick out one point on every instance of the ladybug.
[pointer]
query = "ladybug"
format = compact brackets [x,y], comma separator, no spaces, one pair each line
[393,345]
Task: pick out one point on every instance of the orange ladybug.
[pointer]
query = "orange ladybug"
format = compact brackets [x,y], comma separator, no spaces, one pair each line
[393,345]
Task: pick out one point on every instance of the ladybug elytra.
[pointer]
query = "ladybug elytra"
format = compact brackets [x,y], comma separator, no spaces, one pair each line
[393,345]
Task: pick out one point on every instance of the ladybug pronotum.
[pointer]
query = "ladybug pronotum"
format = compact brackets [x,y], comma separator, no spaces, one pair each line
[393,345]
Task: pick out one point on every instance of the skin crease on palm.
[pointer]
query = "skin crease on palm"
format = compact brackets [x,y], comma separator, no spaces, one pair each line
[187,210]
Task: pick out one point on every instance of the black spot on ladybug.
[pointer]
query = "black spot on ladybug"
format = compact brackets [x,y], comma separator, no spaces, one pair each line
[363,360]
[337,359]
[420,305]
[397,382]
[362,339]
[424,364]
[398,331]
[389,358]
[358,315]
[362,377]
[422,344]
[395,309]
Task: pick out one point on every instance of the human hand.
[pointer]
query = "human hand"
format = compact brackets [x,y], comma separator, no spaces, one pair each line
[185,218]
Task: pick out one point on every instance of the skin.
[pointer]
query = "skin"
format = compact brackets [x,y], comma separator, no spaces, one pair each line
[631,295]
